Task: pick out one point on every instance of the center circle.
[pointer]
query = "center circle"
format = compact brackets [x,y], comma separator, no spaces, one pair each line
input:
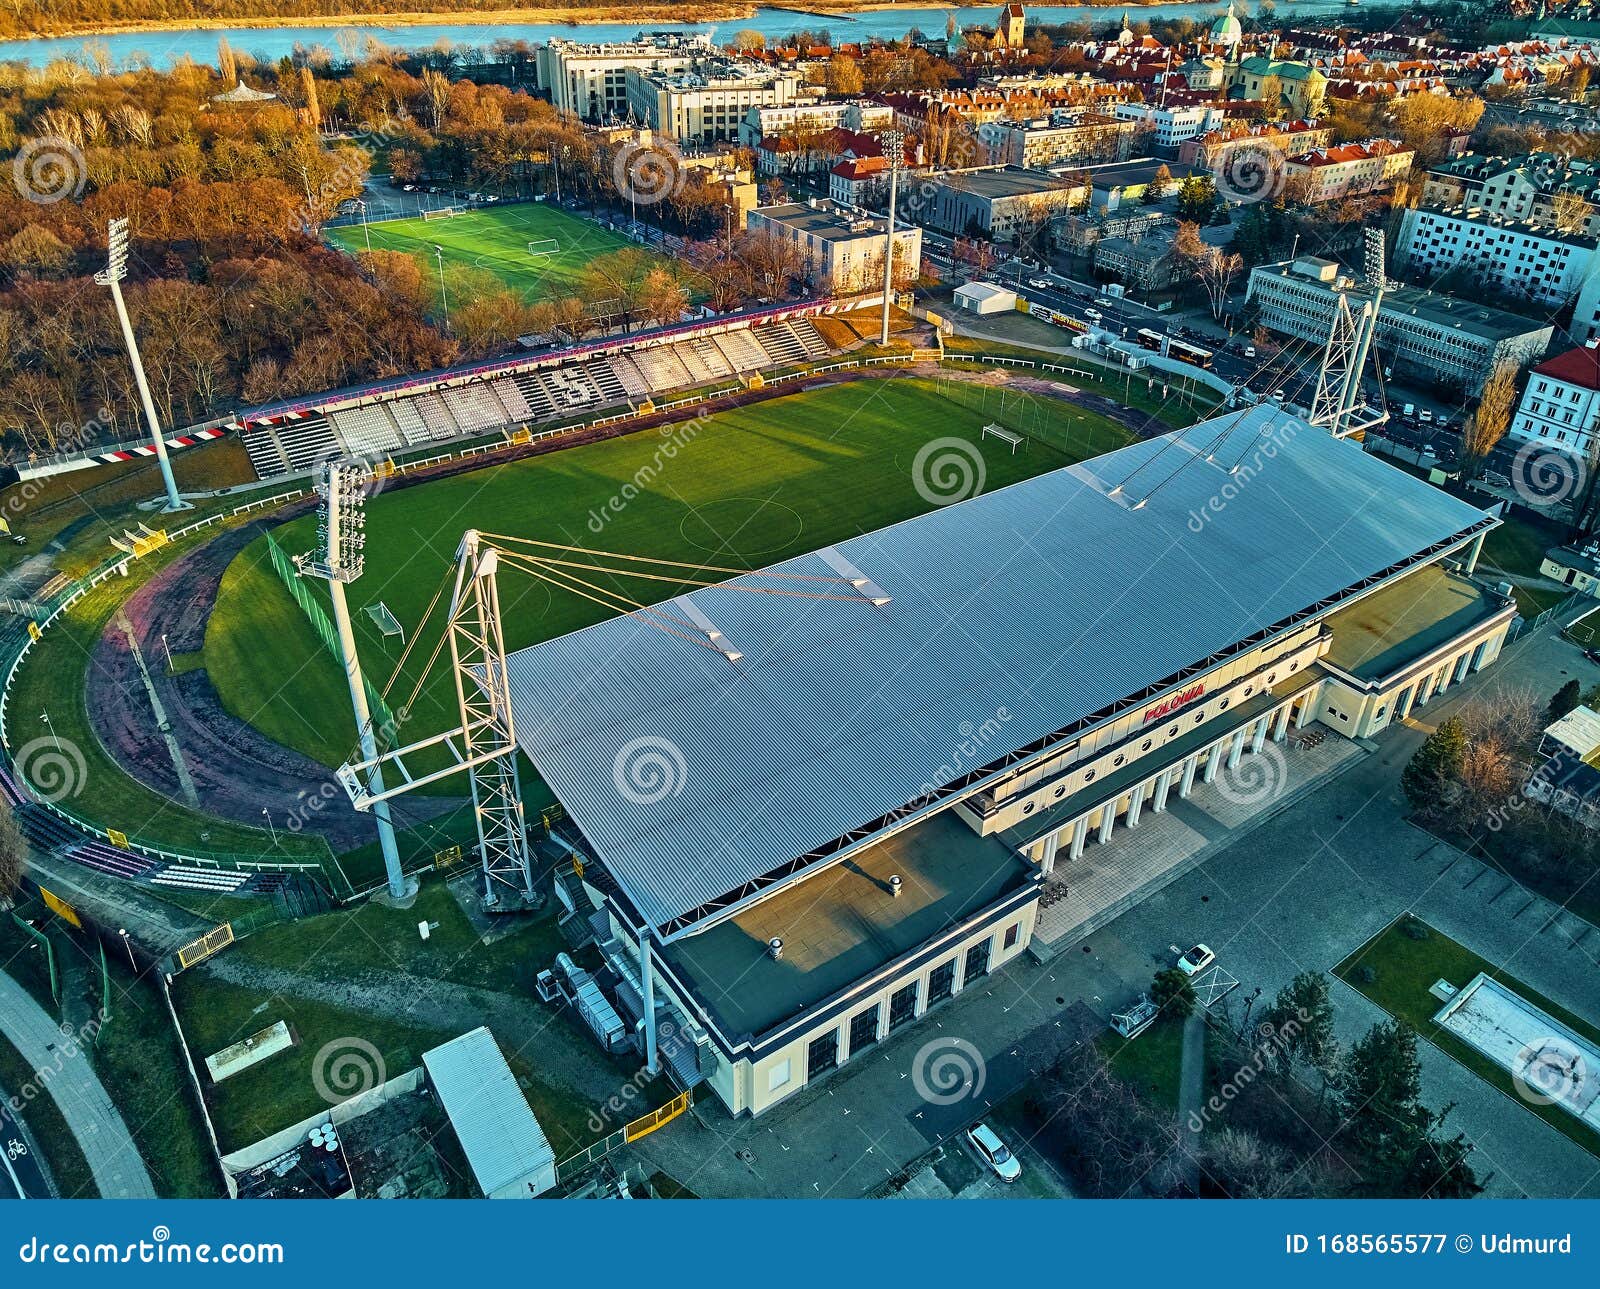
[738,527]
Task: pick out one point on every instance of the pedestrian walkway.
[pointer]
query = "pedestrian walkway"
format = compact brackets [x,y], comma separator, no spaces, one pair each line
[63,1068]
[1084,894]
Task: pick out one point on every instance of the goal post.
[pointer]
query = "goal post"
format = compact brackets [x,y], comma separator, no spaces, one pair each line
[442,212]
[544,247]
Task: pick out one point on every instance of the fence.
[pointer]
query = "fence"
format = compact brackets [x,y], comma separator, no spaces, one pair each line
[640,1127]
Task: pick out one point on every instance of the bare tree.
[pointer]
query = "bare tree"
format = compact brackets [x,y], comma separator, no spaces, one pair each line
[13,850]
[1488,423]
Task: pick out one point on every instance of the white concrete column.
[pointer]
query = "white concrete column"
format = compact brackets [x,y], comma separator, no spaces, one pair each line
[1259,739]
[1186,784]
[1047,860]
[1236,748]
[1213,763]
[1475,550]
[1080,834]
[1406,699]
[647,990]
[1308,704]
[1136,804]
[1463,666]
[1280,729]
[1108,821]
[1163,787]
[1444,682]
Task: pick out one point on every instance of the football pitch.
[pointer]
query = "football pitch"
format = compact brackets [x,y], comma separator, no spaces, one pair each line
[494,239]
[744,489]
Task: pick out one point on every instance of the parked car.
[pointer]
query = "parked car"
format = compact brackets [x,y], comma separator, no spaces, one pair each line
[1425,416]
[1249,351]
[1409,410]
[1193,961]
[1094,315]
[1039,283]
[993,1152]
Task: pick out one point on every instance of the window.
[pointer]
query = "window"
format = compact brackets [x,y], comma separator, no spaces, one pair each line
[941,982]
[864,1030]
[978,961]
[1013,933]
[902,1006]
[778,1075]
[823,1054]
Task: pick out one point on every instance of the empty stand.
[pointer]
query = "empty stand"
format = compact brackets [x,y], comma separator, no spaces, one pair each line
[711,358]
[780,342]
[367,431]
[441,425]
[661,369]
[741,350]
[412,427]
[806,332]
[475,407]
[607,381]
[535,395]
[266,454]
[628,373]
[306,442]
[199,879]
[103,857]
[512,399]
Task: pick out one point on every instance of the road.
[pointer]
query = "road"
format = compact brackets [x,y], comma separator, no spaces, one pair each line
[107,1145]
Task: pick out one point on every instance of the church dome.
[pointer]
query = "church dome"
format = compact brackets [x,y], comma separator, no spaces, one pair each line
[1227,30]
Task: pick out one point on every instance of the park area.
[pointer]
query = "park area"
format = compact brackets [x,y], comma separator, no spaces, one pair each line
[495,240]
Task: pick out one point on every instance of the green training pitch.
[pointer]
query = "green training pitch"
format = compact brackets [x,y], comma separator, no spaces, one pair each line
[743,489]
[494,239]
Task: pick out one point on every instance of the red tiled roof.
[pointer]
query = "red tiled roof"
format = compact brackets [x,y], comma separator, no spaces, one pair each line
[1575,367]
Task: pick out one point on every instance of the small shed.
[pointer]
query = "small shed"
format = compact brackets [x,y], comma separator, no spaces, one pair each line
[503,1142]
[985,298]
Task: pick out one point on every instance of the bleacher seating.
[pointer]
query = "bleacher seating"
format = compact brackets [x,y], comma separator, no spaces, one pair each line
[475,407]
[11,790]
[305,442]
[661,369]
[535,394]
[103,857]
[571,388]
[607,381]
[412,427]
[200,879]
[44,828]
[511,398]
[741,350]
[265,453]
[781,344]
[441,425]
[806,332]
[633,382]
[366,431]
[711,357]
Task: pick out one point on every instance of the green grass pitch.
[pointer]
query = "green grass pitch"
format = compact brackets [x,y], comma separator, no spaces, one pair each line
[752,486]
[495,239]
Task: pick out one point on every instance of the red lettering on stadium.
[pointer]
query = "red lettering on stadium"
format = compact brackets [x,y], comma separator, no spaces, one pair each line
[1170,705]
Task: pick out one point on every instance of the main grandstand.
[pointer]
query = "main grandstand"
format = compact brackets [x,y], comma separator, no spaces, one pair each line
[853,805]
[589,380]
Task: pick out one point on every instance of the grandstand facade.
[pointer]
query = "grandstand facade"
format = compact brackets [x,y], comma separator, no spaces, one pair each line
[598,379]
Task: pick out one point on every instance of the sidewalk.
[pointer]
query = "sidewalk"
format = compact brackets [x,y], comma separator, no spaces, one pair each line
[64,1069]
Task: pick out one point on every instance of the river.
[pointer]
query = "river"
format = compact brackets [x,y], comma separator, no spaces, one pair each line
[161,48]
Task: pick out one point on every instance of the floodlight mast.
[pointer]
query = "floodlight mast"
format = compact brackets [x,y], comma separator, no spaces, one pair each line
[115,270]
[339,559]
[484,744]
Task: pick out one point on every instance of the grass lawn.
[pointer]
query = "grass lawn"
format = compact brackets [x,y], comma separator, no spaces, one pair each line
[496,240]
[1404,969]
[68,1168]
[752,486]
[1516,548]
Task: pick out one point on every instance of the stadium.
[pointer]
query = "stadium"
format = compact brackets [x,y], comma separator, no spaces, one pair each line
[816,831]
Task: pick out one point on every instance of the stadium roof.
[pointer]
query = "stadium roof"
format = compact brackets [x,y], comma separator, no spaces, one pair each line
[1043,609]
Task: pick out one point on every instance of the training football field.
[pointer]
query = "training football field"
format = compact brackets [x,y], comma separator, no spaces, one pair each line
[495,239]
[743,489]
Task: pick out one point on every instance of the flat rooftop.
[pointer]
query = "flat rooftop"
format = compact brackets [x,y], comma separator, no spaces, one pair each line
[1406,620]
[1042,609]
[843,924]
[1005,181]
[827,220]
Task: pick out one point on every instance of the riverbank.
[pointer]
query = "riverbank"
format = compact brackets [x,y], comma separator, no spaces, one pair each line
[576,17]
